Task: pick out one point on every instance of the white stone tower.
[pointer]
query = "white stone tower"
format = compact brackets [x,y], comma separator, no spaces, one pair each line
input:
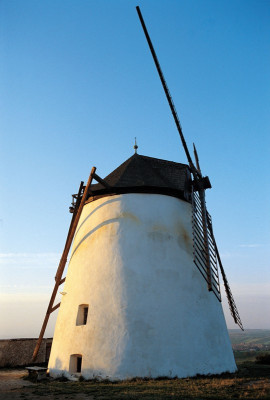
[135,302]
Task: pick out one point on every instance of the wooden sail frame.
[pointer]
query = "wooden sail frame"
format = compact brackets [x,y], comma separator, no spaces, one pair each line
[200,184]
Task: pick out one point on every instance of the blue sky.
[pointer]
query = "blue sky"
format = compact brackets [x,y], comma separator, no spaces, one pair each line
[78,83]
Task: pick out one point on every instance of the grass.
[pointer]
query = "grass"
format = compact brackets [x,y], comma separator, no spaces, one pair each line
[252,381]
[250,336]
[244,356]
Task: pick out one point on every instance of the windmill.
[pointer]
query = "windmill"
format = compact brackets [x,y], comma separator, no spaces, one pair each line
[135,301]
[206,254]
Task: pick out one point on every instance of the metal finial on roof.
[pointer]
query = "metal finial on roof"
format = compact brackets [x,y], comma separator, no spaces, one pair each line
[135,146]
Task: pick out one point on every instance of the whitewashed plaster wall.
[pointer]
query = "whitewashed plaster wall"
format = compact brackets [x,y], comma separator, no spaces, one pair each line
[150,313]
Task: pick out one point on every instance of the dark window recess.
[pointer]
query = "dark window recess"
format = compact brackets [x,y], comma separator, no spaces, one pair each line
[82,314]
[79,364]
[85,314]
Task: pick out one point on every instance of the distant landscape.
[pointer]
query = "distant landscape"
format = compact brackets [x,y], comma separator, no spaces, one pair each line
[248,344]
[251,380]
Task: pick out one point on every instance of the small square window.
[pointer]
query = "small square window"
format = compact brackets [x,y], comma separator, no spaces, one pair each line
[82,314]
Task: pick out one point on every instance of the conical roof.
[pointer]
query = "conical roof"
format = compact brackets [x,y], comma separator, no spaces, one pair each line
[141,174]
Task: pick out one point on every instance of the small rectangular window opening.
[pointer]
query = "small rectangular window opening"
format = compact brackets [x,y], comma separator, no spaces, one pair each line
[82,314]
[75,363]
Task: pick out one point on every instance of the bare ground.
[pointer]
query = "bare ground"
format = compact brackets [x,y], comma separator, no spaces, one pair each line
[14,386]
[252,381]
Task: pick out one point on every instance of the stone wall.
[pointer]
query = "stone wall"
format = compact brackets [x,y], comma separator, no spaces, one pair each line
[18,352]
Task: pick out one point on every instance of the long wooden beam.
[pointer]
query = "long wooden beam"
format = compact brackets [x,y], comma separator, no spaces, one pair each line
[79,195]
[62,263]
[167,92]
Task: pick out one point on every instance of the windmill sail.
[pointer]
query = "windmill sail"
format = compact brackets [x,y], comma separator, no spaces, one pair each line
[199,249]
[232,305]
[205,249]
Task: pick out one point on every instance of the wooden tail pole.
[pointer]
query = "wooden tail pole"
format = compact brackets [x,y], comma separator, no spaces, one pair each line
[79,196]
[63,261]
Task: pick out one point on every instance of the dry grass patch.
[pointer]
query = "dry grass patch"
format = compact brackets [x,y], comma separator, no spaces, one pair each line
[252,381]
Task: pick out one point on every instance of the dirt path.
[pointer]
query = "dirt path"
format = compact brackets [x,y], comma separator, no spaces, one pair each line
[12,384]
[14,387]
[12,380]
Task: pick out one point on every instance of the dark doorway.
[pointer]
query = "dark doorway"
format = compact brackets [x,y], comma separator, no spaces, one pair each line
[75,364]
[79,364]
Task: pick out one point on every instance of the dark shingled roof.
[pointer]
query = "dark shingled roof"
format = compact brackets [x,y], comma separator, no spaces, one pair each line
[141,174]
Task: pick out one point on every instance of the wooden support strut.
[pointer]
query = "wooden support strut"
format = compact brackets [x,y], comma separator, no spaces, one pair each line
[62,281]
[55,307]
[62,264]
[101,181]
